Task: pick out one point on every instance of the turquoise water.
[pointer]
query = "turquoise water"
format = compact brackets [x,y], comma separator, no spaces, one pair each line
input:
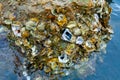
[107,69]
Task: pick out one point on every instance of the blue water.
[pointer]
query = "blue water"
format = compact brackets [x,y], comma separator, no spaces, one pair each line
[109,69]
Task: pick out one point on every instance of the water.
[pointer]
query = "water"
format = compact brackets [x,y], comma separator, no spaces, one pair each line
[107,70]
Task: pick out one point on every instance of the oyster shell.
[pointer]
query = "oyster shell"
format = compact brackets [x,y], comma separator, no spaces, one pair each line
[63,58]
[67,35]
[79,40]
[16,30]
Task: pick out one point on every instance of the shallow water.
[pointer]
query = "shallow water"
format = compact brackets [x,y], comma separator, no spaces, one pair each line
[107,70]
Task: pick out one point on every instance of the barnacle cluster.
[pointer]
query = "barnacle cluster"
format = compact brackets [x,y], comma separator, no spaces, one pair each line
[54,35]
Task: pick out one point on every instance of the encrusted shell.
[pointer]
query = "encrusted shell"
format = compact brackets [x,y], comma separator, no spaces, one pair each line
[69,49]
[41,26]
[34,51]
[79,40]
[25,34]
[31,24]
[47,43]
[16,30]
[63,58]
[61,20]
[34,19]
[8,22]
[12,16]
[72,24]
[67,35]
[76,31]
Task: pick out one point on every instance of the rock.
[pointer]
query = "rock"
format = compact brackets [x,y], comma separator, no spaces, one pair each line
[52,34]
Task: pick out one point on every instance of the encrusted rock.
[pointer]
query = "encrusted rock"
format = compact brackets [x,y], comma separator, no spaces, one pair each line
[56,35]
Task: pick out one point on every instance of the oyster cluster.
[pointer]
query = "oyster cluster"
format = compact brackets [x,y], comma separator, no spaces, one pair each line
[54,35]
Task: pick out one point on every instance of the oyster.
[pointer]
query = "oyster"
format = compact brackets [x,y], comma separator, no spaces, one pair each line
[67,35]
[72,24]
[34,51]
[79,40]
[61,20]
[63,58]
[16,30]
